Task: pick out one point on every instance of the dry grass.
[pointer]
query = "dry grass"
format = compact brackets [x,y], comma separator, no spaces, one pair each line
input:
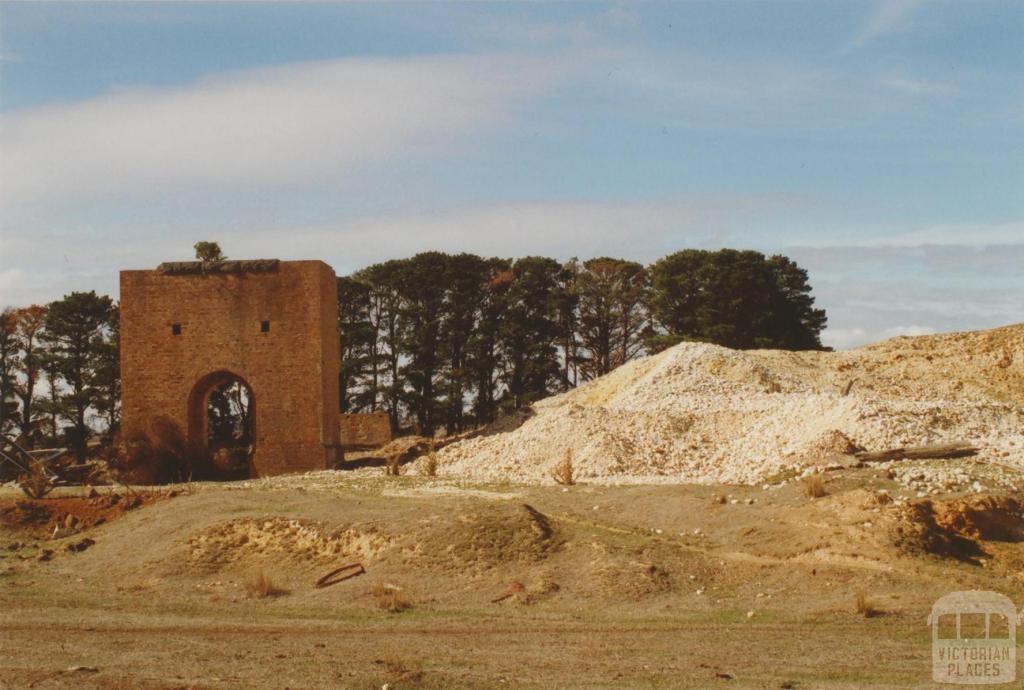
[401,672]
[563,472]
[814,485]
[261,587]
[429,466]
[864,606]
[36,483]
[391,598]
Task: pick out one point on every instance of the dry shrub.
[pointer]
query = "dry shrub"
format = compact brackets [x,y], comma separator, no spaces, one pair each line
[814,485]
[391,598]
[261,587]
[863,605]
[36,483]
[430,465]
[159,457]
[563,472]
[400,671]
[170,450]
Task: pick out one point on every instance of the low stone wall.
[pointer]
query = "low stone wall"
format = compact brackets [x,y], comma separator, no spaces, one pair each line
[364,430]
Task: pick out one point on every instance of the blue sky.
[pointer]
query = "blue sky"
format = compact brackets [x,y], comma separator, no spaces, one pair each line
[880,144]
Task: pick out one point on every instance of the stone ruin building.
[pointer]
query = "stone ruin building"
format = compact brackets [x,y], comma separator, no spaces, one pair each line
[188,328]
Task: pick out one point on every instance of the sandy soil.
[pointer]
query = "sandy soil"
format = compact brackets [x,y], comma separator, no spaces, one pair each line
[679,586]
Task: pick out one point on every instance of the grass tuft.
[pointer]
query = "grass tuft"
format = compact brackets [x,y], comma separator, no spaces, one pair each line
[429,466]
[814,485]
[563,472]
[391,598]
[864,606]
[261,587]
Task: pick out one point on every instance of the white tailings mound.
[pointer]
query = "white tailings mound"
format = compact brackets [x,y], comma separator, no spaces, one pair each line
[702,413]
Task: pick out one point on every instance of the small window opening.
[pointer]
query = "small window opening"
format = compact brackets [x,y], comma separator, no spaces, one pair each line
[264,326]
[176,329]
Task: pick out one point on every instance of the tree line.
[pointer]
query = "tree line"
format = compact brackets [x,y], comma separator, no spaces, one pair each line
[440,341]
[450,341]
[60,369]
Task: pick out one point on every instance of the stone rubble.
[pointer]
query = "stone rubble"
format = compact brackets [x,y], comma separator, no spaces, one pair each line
[707,414]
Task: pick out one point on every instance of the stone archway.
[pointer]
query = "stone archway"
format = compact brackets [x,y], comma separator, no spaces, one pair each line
[222,424]
[275,323]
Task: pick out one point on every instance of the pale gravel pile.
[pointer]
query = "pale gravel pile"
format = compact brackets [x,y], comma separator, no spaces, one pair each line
[702,413]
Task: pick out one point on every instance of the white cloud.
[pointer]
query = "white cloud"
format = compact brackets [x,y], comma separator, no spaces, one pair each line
[642,230]
[896,331]
[554,228]
[921,287]
[887,16]
[9,278]
[961,234]
[770,93]
[911,86]
[302,124]
[846,338]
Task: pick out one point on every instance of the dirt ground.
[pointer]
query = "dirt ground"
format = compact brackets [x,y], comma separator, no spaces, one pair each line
[490,585]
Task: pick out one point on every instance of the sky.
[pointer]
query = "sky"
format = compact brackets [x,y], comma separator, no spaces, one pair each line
[879,144]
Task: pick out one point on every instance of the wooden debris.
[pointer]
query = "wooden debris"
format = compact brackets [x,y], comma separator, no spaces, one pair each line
[957,449]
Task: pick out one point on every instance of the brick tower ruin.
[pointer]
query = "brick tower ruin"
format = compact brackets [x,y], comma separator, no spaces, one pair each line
[272,325]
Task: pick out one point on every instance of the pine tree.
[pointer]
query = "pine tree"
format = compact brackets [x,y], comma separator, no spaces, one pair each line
[8,361]
[485,357]
[357,336]
[466,281]
[75,330]
[613,322]
[29,324]
[530,330]
[734,298]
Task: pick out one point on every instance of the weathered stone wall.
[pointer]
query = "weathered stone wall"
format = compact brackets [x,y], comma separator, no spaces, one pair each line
[274,329]
[365,430]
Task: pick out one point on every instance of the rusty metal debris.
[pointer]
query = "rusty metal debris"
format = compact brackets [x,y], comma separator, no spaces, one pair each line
[14,455]
[513,589]
[341,574]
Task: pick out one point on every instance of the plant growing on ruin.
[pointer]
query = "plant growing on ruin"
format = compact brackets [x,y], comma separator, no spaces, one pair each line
[208,252]
[563,472]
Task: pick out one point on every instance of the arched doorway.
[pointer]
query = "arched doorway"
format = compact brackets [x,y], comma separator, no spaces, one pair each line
[222,428]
